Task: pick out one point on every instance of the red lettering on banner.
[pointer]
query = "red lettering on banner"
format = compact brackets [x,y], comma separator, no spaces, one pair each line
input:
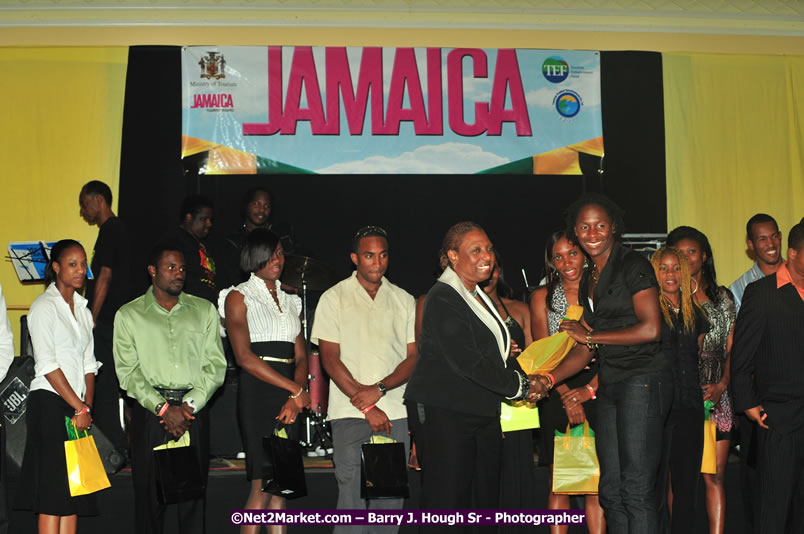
[455,91]
[506,75]
[213,100]
[339,83]
[274,97]
[435,125]
[303,74]
[405,74]
[284,111]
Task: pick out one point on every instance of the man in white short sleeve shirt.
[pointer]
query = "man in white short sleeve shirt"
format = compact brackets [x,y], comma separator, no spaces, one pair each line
[364,327]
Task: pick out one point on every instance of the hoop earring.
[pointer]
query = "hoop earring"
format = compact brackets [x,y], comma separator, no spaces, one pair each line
[696,285]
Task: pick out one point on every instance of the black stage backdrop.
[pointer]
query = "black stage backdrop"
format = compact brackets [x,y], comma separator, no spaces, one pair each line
[518,212]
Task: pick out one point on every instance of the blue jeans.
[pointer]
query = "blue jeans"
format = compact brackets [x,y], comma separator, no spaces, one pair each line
[631,418]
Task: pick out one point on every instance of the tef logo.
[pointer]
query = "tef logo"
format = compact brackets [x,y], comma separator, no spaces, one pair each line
[555,69]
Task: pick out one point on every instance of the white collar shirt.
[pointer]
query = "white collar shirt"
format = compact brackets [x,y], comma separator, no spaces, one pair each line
[373,337]
[61,340]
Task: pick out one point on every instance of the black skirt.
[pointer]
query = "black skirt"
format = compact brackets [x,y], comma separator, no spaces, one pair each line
[259,403]
[43,485]
[552,415]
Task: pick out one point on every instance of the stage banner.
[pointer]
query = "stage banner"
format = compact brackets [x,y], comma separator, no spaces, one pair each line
[351,110]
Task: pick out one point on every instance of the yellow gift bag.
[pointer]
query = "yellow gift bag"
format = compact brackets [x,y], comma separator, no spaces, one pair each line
[544,355]
[518,416]
[84,467]
[709,459]
[576,470]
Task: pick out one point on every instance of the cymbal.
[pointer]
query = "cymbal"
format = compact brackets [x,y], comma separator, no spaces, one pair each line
[300,270]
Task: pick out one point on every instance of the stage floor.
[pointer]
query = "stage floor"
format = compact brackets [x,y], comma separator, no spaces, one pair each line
[228,489]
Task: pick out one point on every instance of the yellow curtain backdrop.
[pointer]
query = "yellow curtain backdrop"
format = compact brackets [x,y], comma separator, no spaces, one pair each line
[733,129]
[62,126]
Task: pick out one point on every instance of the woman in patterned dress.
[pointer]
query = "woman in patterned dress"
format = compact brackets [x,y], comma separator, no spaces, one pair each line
[564,265]
[713,366]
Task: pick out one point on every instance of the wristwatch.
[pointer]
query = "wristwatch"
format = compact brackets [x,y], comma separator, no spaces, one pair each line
[382,388]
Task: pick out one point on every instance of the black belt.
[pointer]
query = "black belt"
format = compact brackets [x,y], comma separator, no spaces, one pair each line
[172,396]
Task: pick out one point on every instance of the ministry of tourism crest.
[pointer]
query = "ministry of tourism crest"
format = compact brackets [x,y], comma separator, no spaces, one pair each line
[213,66]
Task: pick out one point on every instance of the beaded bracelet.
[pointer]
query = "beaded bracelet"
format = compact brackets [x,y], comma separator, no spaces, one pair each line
[592,391]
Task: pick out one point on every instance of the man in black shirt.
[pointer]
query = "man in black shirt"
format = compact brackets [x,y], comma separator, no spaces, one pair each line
[767,376]
[106,292]
[195,222]
[255,211]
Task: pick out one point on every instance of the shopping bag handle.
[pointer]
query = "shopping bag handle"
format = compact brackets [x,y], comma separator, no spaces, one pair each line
[78,432]
[587,439]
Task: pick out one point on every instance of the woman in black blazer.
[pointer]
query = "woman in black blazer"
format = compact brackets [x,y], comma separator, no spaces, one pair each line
[454,393]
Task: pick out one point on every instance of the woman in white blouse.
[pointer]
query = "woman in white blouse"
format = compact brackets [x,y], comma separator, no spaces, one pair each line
[263,324]
[63,388]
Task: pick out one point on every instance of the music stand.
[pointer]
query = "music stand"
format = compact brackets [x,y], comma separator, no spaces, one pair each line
[30,258]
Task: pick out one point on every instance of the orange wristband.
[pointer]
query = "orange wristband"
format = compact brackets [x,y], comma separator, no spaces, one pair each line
[366,409]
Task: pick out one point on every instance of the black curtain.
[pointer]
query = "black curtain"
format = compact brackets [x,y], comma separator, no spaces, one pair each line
[517,211]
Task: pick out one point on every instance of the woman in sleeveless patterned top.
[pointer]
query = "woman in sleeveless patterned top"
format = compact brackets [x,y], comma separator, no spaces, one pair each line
[713,365]
[263,323]
[564,263]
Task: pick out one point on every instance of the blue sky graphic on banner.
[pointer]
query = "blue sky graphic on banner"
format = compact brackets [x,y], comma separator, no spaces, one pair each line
[352,110]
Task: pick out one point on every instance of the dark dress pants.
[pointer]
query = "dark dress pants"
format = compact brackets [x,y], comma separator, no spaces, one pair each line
[749,478]
[460,456]
[780,469]
[147,433]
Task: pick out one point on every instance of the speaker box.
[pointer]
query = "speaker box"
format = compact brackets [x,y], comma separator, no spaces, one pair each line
[224,439]
[14,392]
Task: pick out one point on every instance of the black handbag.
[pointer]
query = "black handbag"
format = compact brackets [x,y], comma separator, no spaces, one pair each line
[178,475]
[284,476]
[383,471]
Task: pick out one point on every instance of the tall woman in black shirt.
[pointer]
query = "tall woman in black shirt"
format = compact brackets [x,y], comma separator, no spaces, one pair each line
[621,306]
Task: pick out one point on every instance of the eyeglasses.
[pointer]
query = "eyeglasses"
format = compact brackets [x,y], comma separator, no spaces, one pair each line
[371,231]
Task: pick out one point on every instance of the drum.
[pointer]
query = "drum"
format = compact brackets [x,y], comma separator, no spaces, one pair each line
[319,384]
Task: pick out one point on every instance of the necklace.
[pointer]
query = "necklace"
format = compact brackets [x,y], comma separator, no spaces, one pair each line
[670,304]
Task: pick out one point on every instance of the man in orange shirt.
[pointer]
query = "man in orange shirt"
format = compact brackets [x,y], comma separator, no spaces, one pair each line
[768,383]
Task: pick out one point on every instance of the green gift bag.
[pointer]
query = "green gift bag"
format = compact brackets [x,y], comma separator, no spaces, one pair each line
[519,417]
[576,470]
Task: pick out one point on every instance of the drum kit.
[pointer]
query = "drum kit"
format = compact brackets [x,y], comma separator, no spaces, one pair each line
[307,274]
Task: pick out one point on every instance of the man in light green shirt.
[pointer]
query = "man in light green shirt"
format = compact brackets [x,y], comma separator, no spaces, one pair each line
[168,357]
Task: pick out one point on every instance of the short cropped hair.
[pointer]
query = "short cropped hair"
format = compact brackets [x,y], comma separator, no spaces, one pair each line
[96,187]
[367,231]
[260,245]
[795,239]
[193,205]
[615,213]
[249,196]
[158,250]
[759,218]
